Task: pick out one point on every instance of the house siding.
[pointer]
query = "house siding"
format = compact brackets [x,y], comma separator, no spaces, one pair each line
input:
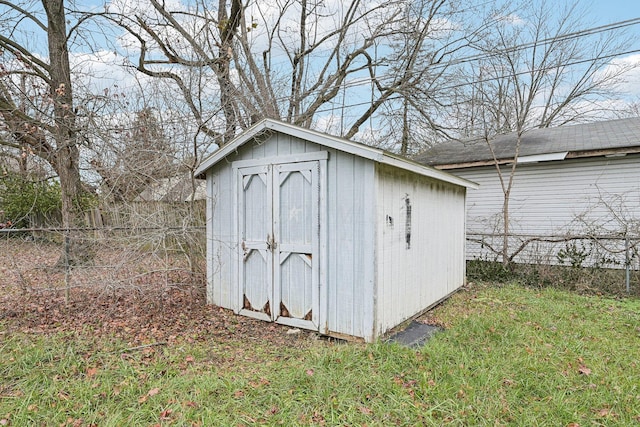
[555,198]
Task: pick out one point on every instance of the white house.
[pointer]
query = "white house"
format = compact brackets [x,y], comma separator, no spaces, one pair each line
[178,188]
[318,232]
[569,181]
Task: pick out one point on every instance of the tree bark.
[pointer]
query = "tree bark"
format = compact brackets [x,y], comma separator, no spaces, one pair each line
[66,157]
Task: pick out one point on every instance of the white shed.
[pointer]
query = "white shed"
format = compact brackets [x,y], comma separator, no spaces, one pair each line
[321,233]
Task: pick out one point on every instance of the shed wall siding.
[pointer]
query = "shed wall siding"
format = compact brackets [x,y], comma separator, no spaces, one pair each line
[556,198]
[415,276]
[349,228]
[222,247]
[350,245]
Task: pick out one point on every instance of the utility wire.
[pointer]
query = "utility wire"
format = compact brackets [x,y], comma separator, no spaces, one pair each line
[487,55]
[477,57]
[503,76]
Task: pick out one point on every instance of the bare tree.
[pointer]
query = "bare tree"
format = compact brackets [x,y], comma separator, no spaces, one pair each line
[39,117]
[298,60]
[403,80]
[538,69]
[133,155]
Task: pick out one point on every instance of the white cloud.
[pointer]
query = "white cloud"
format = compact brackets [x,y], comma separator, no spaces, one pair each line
[102,70]
[630,81]
[512,19]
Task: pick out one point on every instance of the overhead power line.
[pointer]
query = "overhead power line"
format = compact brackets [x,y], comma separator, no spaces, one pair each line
[549,40]
[487,55]
[496,78]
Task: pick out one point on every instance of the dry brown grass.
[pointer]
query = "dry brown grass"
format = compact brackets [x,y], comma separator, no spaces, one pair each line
[135,295]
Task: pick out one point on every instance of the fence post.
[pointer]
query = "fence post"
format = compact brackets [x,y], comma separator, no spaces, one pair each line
[627,262]
[67,255]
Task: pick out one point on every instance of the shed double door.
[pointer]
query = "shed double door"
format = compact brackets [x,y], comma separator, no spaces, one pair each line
[278,214]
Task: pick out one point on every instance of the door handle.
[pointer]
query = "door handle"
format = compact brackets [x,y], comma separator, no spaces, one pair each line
[271,243]
[245,251]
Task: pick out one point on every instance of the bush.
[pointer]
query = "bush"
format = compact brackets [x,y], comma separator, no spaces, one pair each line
[586,280]
[22,199]
[488,271]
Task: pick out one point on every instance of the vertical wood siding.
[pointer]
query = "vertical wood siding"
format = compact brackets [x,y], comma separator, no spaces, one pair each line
[222,245]
[420,244]
[349,233]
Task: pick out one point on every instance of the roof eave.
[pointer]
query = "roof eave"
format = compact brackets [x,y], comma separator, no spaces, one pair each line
[364,151]
[427,171]
[582,154]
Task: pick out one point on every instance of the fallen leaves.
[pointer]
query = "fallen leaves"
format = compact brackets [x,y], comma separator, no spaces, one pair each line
[605,413]
[365,410]
[73,422]
[507,382]
[166,414]
[105,304]
[91,372]
[154,318]
[272,411]
[150,393]
[259,383]
[582,369]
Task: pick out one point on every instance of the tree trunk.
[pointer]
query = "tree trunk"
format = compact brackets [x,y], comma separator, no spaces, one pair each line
[404,147]
[228,26]
[66,156]
[505,229]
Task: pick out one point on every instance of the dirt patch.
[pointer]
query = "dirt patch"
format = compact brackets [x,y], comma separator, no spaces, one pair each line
[173,315]
[132,297]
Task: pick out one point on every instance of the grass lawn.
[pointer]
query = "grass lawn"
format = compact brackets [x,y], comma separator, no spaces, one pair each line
[509,356]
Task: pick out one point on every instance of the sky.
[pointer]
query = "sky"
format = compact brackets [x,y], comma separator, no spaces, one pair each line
[105,68]
[602,12]
[607,11]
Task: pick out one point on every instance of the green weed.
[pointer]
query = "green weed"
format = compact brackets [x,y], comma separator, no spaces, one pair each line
[508,356]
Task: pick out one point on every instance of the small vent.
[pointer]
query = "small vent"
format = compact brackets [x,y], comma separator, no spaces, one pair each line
[407,223]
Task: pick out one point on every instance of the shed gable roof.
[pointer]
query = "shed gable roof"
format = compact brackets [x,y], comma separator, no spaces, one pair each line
[355,148]
[584,140]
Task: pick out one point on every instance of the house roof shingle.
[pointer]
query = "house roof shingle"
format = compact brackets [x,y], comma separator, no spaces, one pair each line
[580,140]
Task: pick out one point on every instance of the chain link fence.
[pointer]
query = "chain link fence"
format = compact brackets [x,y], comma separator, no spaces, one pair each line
[609,263]
[151,250]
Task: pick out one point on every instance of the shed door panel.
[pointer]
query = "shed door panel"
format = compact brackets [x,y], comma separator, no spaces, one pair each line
[279,240]
[296,198]
[254,208]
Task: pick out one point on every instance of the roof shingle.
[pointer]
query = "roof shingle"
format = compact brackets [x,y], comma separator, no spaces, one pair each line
[604,135]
